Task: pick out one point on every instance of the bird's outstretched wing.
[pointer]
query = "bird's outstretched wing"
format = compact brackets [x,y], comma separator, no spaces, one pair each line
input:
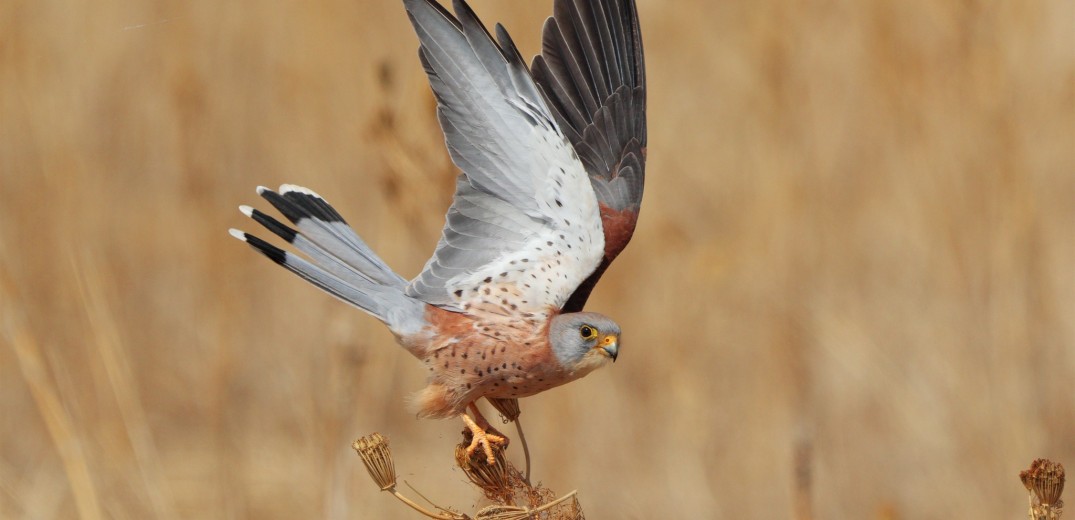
[592,72]
[524,230]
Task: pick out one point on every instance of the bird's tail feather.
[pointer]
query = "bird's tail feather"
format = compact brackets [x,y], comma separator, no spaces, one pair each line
[340,262]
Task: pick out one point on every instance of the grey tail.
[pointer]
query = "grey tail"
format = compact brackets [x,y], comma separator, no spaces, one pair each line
[340,263]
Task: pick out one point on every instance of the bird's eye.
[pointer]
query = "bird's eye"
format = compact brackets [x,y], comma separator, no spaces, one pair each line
[587,332]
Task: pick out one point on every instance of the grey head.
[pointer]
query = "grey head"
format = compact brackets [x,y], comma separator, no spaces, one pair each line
[583,341]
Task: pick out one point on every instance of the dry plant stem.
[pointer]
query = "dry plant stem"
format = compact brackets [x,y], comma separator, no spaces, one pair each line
[520,513]
[420,509]
[121,379]
[377,456]
[526,449]
[57,421]
[509,410]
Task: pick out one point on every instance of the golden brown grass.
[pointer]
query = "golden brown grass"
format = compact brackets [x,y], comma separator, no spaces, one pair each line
[851,286]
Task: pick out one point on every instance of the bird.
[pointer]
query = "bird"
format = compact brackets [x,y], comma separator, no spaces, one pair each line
[551,163]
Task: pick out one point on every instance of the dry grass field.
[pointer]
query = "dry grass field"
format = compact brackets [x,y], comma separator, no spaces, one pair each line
[851,293]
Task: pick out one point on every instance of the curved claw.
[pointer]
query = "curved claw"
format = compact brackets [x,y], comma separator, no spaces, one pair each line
[482,438]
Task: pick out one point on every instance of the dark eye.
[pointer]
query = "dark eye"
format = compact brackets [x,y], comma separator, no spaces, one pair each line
[587,332]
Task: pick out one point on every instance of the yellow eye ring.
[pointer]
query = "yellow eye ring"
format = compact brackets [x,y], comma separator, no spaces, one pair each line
[587,332]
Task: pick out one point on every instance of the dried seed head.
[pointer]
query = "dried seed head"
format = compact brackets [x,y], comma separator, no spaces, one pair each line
[492,478]
[508,408]
[1045,479]
[377,456]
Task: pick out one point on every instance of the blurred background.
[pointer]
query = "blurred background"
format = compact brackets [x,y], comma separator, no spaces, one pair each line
[850,293]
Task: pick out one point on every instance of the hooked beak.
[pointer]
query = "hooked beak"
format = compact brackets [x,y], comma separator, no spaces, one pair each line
[611,345]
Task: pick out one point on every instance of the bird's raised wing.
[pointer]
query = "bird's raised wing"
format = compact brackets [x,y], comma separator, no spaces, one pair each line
[524,229]
[592,72]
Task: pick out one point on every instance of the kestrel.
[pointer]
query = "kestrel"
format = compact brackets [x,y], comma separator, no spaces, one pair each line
[552,170]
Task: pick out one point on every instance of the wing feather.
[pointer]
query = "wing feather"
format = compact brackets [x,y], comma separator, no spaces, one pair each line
[524,221]
[592,73]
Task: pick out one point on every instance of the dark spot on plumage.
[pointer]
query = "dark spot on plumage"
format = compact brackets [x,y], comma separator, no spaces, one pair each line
[483,355]
[459,293]
[558,203]
[496,384]
[503,289]
[487,291]
[567,222]
[488,279]
[468,386]
[479,373]
[445,364]
[514,307]
[462,371]
[503,365]
[503,275]
[502,349]
[525,260]
[548,243]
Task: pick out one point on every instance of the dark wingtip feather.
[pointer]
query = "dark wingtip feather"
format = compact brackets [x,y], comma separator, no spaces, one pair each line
[297,203]
[270,223]
[272,252]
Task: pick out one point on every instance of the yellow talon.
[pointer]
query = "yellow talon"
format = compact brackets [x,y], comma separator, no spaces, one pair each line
[481,438]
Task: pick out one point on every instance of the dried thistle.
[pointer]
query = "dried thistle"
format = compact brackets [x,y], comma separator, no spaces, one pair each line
[1045,482]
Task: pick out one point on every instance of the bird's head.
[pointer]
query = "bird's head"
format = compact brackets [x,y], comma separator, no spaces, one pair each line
[584,341]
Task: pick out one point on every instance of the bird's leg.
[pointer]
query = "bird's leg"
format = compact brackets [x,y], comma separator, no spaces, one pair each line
[480,436]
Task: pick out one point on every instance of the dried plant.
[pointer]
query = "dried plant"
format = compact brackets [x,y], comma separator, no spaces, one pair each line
[1045,482]
[513,497]
[375,453]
